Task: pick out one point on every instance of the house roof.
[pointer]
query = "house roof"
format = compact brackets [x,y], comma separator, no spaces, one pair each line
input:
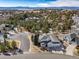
[44,37]
[1,38]
[70,36]
[48,37]
[53,38]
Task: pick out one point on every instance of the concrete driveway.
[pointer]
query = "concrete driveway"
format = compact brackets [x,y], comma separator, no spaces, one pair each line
[23,37]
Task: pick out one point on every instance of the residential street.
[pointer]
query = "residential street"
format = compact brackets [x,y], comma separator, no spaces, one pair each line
[39,56]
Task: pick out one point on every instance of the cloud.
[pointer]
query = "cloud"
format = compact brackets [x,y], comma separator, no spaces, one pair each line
[41,3]
[59,3]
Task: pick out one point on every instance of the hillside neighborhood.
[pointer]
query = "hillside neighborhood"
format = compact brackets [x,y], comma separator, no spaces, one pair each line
[39,31]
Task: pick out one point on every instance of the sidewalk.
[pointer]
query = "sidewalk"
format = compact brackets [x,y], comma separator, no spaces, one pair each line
[33,48]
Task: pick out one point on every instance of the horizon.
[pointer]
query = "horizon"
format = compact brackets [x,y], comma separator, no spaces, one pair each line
[39,3]
[38,7]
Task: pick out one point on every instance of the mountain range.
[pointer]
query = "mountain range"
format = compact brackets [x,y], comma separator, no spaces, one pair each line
[34,8]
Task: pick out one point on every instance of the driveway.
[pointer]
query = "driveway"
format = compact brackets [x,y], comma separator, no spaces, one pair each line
[70,49]
[23,37]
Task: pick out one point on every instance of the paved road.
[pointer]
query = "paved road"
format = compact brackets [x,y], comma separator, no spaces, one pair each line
[39,56]
[23,37]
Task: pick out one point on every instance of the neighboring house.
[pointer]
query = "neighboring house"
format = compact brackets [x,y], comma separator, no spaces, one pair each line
[31,18]
[71,38]
[75,28]
[16,29]
[11,32]
[2,26]
[50,42]
[75,18]
[77,31]
[1,37]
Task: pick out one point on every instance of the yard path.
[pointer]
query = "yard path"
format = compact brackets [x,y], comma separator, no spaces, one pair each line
[70,49]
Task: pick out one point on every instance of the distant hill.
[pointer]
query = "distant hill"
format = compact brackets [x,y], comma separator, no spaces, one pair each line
[34,8]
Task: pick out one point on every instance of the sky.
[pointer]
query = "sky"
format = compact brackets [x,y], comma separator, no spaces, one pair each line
[39,3]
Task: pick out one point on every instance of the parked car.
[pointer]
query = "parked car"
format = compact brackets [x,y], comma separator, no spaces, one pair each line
[20,51]
[6,54]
